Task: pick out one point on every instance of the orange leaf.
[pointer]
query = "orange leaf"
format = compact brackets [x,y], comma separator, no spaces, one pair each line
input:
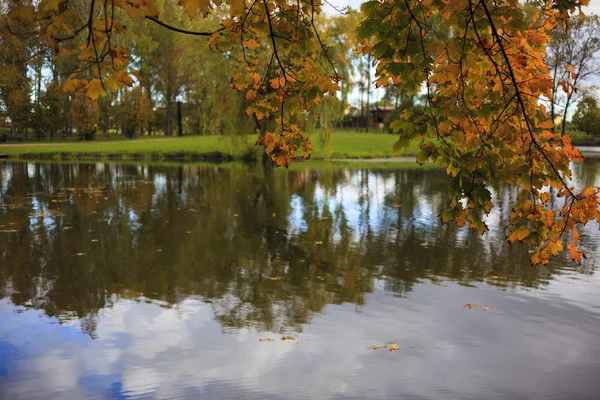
[575,254]
[251,44]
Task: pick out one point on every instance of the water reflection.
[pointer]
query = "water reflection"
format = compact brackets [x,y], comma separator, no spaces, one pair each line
[265,249]
[158,262]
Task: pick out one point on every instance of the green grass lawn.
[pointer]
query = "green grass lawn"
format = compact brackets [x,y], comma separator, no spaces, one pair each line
[343,145]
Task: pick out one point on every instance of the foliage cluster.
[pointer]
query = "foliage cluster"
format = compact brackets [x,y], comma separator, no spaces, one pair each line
[483,65]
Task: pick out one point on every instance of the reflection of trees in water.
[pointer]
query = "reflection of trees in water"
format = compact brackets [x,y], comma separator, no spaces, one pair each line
[267,249]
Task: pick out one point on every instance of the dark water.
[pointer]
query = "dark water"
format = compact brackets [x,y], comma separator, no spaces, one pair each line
[158,282]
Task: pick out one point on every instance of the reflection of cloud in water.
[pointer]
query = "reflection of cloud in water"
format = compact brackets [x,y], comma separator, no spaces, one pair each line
[356,279]
[448,352]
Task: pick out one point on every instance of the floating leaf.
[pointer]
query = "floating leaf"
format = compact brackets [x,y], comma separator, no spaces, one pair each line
[287,337]
[266,340]
[394,347]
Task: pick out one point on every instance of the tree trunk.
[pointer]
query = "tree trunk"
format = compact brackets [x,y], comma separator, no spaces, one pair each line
[368,90]
[179,120]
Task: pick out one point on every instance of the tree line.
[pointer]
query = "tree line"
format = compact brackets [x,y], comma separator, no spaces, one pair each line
[185,87]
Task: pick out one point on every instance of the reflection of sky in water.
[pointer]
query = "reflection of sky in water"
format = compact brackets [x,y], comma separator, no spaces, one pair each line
[537,344]
[448,352]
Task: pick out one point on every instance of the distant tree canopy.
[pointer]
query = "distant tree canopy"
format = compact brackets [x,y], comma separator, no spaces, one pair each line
[481,63]
[587,116]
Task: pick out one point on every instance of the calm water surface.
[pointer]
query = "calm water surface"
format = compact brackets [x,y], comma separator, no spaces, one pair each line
[158,282]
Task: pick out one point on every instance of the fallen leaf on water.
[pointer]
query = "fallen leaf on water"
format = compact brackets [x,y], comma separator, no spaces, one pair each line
[397,206]
[15,292]
[274,278]
[470,306]
[485,308]
[299,342]
[287,337]
[274,215]
[106,198]
[152,210]
[54,201]
[319,242]
[424,244]
[325,218]
[494,277]
[159,250]
[375,347]
[78,254]
[236,215]
[394,347]
[266,340]
[95,240]
[189,232]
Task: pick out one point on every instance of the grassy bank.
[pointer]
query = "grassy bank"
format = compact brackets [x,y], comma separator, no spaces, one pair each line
[342,145]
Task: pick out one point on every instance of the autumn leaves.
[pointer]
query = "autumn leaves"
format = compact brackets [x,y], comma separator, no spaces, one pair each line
[481,65]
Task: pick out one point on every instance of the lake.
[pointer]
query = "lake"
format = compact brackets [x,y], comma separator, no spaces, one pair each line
[238,282]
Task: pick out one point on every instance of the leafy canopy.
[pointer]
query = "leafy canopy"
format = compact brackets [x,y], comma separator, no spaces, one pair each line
[481,63]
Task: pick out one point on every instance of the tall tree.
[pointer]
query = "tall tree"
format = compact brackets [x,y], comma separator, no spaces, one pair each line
[573,58]
[587,116]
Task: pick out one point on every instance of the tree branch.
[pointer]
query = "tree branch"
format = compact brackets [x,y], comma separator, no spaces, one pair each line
[184,31]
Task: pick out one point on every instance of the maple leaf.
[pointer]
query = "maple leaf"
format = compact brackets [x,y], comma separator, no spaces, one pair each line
[95,90]
[252,44]
[575,254]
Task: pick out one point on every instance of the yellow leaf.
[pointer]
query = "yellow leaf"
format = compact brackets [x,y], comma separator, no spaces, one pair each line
[95,90]
[128,80]
[112,84]
[70,85]
[518,234]
[251,44]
